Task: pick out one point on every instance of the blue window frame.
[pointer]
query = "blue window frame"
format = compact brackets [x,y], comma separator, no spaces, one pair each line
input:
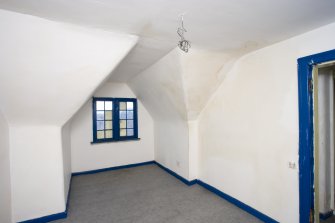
[114,119]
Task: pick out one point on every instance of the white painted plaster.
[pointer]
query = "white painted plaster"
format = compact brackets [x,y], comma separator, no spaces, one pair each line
[326,136]
[48,70]
[36,171]
[193,149]
[43,62]
[161,90]
[66,151]
[86,156]
[227,26]
[202,72]
[249,129]
[5,183]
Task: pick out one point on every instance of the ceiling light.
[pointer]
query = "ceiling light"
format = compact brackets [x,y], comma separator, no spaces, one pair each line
[183,44]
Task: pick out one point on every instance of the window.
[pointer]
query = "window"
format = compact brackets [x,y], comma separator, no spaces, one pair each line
[114,119]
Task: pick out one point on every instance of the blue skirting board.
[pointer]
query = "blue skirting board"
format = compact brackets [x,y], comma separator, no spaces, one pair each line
[48,218]
[325,216]
[221,194]
[225,196]
[182,179]
[113,168]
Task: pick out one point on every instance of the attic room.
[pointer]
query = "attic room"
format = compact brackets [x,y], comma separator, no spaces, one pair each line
[164,111]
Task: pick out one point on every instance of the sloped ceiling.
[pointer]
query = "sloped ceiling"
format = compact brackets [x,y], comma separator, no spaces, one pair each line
[220,32]
[49,69]
[220,25]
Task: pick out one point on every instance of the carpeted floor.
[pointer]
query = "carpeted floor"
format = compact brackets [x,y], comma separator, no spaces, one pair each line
[146,194]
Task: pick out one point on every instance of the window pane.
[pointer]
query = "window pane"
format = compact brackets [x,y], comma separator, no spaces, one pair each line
[130,132]
[123,115]
[123,124]
[108,115]
[100,135]
[123,106]
[108,105]
[130,105]
[100,105]
[122,132]
[100,125]
[109,134]
[130,115]
[100,115]
[130,124]
[108,125]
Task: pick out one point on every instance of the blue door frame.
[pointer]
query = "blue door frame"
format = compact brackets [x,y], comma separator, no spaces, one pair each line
[306,159]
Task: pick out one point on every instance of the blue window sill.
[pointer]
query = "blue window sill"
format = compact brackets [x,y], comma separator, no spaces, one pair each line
[115,140]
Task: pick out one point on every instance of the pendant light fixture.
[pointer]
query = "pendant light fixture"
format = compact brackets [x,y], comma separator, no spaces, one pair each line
[183,44]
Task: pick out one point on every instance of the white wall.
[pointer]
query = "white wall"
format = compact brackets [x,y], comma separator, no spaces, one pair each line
[160,88]
[36,171]
[193,137]
[42,63]
[326,136]
[5,184]
[66,151]
[249,129]
[86,156]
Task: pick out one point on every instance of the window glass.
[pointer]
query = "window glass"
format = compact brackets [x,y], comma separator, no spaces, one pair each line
[100,105]
[114,118]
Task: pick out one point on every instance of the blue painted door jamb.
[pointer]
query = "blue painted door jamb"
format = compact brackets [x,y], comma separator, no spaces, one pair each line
[306,137]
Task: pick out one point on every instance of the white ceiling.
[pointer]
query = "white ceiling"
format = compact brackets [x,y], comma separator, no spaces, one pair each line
[220,25]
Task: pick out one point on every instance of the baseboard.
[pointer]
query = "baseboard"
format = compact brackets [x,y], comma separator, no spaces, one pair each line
[325,216]
[221,194]
[238,203]
[113,168]
[216,191]
[182,179]
[48,218]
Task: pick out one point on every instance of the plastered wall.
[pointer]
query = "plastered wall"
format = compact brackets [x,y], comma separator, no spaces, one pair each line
[42,63]
[249,129]
[5,184]
[160,88]
[36,171]
[66,152]
[86,156]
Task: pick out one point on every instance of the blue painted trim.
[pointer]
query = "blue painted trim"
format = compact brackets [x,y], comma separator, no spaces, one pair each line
[238,203]
[325,216]
[113,168]
[116,119]
[119,140]
[232,200]
[182,179]
[48,218]
[306,159]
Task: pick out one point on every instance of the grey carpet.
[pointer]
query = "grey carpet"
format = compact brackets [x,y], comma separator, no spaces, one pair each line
[146,194]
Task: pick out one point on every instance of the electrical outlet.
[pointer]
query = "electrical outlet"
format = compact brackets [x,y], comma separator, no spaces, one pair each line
[292,165]
[178,163]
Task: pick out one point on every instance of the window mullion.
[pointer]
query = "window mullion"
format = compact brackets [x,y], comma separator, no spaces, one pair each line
[94,120]
[116,119]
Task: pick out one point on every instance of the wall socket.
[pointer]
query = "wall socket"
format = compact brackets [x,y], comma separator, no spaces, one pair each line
[292,165]
[178,163]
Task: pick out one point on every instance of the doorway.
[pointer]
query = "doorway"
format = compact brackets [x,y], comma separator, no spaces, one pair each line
[308,68]
[323,106]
